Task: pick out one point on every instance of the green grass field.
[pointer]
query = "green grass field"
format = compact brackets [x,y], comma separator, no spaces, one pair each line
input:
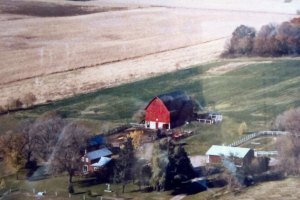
[254,94]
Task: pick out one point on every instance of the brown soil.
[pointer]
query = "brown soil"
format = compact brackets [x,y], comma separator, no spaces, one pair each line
[44,9]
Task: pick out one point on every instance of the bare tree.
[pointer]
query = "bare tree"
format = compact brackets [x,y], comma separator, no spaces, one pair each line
[266,43]
[12,148]
[289,121]
[124,164]
[67,153]
[46,132]
[289,146]
[289,154]
[29,137]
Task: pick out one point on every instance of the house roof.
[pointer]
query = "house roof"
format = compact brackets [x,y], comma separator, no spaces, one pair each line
[99,153]
[102,162]
[227,151]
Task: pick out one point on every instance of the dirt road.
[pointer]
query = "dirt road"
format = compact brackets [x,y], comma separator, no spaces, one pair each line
[84,46]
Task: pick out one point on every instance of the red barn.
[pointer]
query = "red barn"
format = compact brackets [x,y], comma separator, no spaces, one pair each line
[168,111]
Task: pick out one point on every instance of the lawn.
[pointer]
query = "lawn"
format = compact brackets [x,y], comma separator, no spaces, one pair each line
[56,188]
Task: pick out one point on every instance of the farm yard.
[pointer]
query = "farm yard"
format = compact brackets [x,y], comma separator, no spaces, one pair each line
[85,46]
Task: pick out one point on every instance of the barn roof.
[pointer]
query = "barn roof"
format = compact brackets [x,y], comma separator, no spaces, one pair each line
[227,151]
[175,101]
[99,153]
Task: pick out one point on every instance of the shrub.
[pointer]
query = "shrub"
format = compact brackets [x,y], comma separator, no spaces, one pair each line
[243,128]
[2,109]
[13,104]
[29,99]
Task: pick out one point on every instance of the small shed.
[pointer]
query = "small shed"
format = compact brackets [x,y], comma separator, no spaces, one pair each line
[169,110]
[95,160]
[239,155]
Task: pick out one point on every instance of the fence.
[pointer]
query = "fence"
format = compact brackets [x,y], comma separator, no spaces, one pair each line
[205,121]
[265,153]
[256,135]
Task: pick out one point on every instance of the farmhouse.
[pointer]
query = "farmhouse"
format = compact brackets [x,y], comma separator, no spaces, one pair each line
[240,156]
[95,160]
[167,111]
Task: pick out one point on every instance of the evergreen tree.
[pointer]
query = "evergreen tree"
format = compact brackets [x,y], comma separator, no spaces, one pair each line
[179,168]
[170,166]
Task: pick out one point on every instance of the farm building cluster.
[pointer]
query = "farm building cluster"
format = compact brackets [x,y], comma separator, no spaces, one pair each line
[163,115]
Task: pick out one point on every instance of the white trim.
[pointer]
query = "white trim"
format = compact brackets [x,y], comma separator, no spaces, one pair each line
[85,169]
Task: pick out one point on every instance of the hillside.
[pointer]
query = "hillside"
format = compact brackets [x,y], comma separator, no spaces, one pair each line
[254,91]
[56,49]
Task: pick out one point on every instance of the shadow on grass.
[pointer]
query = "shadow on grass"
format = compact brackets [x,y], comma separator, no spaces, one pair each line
[77,193]
[88,182]
[40,173]
[198,186]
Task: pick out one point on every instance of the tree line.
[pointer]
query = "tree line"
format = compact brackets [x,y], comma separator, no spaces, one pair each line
[270,40]
[51,140]
[58,145]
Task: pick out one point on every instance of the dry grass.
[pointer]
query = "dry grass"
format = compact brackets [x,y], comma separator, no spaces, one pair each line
[57,57]
[276,190]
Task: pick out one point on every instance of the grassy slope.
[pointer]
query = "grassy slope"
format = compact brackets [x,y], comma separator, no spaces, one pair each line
[254,94]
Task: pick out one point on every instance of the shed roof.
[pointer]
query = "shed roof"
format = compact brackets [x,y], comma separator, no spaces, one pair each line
[227,151]
[102,162]
[99,153]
